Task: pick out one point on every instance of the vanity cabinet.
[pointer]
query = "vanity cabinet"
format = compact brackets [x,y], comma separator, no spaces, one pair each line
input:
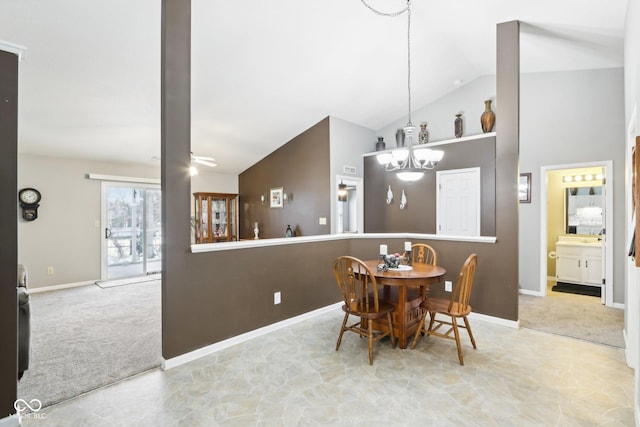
[579,264]
[216,217]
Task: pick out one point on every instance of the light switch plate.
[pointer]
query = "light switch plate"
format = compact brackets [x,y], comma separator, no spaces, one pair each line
[448,286]
[322,221]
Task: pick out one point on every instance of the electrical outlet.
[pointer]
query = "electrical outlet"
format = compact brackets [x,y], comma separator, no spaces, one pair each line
[276,298]
[49,271]
[448,286]
[322,221]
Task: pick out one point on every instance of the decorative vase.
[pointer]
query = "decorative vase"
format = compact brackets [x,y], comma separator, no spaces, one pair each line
[380,145]
[423,136]
[256,230]
[288,232]
[400,138]
[488,118]
[458,125]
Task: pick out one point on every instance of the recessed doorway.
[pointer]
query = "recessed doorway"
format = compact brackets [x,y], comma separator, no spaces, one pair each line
[560,222]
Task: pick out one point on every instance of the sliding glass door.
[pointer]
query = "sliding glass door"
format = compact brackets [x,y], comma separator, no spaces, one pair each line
[132,238]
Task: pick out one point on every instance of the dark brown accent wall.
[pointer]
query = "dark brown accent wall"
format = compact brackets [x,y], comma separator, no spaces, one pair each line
[301,167]
[420,214]
[209,297]
[8,231]
[505,273]
[213,296]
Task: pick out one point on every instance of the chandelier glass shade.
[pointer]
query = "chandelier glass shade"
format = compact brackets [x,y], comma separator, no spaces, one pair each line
[412,161]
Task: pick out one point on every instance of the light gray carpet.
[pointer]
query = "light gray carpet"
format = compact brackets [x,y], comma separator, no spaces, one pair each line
[571,315]
[84,338]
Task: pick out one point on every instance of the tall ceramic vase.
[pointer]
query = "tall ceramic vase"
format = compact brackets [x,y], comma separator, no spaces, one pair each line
[488,118]
[400,138]
[458,125]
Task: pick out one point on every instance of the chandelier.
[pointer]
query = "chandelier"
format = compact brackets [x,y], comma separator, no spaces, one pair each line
[411,161]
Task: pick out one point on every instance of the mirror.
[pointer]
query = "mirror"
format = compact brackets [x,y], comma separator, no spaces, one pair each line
[584,210]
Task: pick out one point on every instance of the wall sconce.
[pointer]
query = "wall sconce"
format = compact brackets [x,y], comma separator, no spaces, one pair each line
[287,197]
[342,192]
[263,198]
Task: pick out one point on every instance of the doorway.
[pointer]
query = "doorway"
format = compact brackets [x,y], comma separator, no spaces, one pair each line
[350,212]
[557,225]
[131,218]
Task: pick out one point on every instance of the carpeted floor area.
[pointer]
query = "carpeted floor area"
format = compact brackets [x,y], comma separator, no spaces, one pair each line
[86,337]
[572,315]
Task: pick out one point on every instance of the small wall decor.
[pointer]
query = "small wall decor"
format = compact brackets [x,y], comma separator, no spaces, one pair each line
[389,196]
[403,201]
[276,197]
[524,188]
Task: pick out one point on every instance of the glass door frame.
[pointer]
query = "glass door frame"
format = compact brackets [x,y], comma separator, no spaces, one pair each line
[105,186]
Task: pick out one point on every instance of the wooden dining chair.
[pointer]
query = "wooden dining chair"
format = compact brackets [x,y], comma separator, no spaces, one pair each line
[423,253]
[453,308]
[360,292]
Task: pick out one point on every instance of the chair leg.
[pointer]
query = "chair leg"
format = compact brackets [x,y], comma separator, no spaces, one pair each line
[432,316]
[419,330]
[393,340]
[454,322]
[370,321]
[466,323]
[342,329]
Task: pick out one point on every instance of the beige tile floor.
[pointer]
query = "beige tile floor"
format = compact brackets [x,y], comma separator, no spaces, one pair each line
[294,377]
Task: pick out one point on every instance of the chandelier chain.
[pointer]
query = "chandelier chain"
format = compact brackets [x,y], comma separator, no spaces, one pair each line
[409,58]
[391,15]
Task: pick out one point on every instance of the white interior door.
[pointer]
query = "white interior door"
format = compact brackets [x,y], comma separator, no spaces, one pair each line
[458,202]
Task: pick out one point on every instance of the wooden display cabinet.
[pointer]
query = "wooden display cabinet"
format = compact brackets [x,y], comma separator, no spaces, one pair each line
[216,217]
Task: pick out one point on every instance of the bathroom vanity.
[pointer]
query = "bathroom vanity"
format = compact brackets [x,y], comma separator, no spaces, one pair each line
[579,260]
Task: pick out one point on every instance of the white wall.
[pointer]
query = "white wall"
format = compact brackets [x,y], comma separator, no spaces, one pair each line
[440,114]
[65,235]
[570,117]
[632,103]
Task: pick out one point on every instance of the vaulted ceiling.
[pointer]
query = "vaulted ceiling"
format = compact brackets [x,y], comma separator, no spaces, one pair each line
[264,71]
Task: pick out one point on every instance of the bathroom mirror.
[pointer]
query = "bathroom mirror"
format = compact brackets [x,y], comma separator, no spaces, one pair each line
[584,210]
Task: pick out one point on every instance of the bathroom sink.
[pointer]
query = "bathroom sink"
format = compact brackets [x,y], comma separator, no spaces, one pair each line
[579,241]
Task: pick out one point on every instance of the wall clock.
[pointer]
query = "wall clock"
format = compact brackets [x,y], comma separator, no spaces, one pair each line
[29,199]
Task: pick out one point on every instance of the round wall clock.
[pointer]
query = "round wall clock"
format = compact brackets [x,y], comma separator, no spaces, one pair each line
[29,198]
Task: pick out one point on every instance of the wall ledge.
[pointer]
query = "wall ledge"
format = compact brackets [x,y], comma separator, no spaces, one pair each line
[244,244]
[442,142]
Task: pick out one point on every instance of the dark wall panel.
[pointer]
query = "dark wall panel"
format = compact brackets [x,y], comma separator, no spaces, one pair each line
[8,231]
[301,167]
[420,214]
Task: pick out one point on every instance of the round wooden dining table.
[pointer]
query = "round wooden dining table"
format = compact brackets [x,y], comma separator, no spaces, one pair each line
[405,289]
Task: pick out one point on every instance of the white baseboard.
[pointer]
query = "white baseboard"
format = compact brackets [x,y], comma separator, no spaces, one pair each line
[618,305]
[528,292]
[58,287]
[495,320]
[213,348]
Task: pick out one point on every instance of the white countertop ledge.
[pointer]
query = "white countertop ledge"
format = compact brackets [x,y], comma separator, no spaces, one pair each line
[244,244]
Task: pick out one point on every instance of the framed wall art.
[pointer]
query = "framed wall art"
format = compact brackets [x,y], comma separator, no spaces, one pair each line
[276,197]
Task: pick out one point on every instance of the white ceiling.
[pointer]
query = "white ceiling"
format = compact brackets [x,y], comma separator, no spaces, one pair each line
[264,71]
